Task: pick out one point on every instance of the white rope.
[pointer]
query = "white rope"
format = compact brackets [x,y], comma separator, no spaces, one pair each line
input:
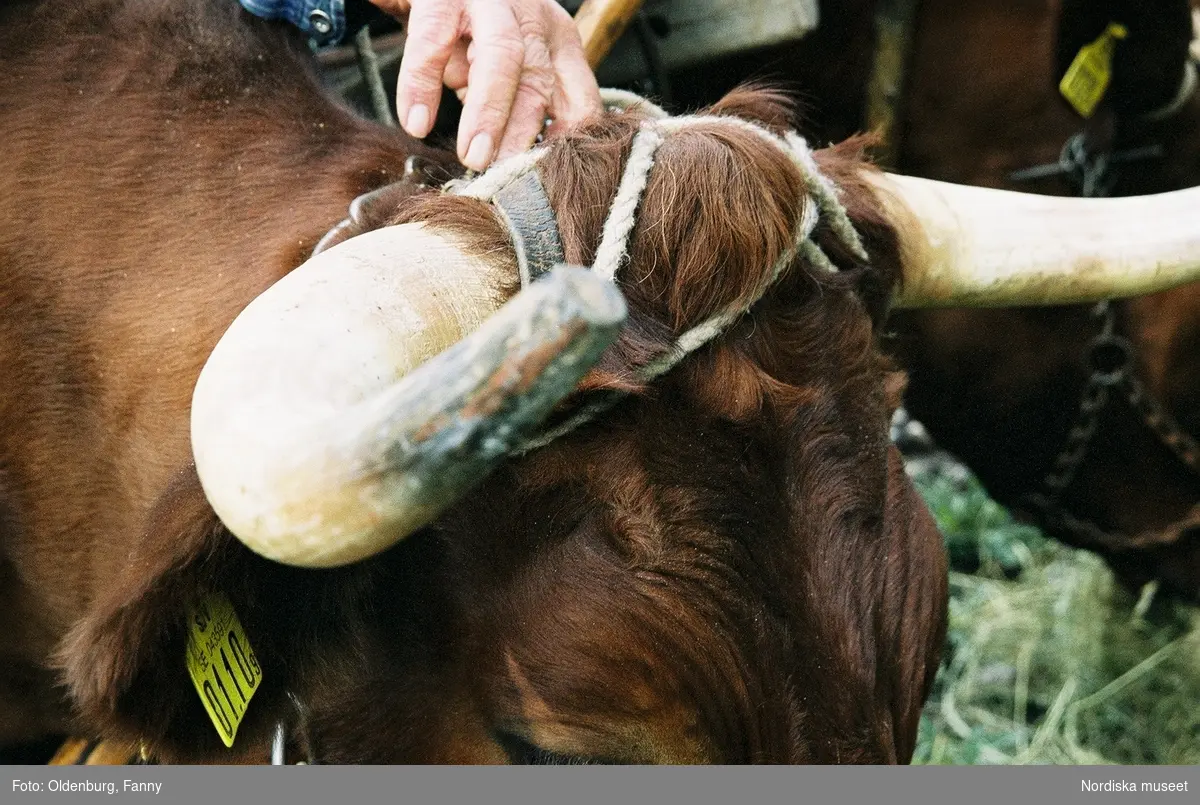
[622,101]
[706,331]
[825,194]
[487,184]
[622,216]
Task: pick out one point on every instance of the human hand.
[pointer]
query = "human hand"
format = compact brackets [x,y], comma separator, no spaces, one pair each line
[514,63]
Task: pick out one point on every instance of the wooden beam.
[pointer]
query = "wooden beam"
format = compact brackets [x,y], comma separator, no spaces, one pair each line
[601,23]
[895,32]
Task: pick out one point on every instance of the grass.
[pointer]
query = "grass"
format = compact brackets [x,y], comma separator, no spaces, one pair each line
[1048,660]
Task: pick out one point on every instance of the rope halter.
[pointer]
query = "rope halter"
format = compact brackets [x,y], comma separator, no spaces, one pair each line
[493,185]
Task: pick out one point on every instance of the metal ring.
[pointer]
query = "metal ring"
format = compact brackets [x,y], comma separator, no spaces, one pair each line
[1110,358]
[416,170]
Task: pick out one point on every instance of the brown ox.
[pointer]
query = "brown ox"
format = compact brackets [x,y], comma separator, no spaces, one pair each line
[729,565]
[1002,388]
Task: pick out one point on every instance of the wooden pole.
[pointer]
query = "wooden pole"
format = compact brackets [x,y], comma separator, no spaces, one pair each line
[895,33]
[601,23]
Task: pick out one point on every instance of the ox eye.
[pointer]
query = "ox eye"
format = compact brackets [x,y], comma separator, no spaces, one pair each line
[522,753]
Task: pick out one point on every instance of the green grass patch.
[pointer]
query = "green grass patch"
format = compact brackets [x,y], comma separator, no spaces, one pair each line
[1048,659]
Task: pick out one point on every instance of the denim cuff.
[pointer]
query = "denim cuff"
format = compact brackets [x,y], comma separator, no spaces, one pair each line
[323,20]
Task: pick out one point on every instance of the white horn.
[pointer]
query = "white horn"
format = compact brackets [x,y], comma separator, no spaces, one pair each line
[980,247]
[322,430]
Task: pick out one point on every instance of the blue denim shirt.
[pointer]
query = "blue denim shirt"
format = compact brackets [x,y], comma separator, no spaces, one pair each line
[323,20]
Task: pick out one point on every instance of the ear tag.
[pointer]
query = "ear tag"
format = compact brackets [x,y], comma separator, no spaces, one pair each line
[1089,75]
[221,663]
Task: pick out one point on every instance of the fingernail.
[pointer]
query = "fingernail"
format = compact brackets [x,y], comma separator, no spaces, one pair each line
[417,122]
[480,153]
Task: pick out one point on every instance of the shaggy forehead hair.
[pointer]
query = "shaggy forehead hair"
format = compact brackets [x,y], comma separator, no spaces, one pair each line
[720,208]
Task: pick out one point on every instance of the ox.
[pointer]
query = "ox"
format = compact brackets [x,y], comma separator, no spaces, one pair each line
[727,564]
[1008,406]
[730,566]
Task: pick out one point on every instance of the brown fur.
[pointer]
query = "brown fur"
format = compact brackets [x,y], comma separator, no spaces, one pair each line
[729,566]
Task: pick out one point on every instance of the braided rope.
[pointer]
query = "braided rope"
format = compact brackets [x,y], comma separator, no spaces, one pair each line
[622,215]
[486,185]
[620,100]
[827,195]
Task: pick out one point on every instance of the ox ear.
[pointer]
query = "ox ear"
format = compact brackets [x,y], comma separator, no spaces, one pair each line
[123,663]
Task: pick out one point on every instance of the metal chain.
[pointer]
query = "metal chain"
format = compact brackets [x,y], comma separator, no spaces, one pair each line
[1110,357]
[1086,534]
[1105,375]
[1093,175]
[1159,420]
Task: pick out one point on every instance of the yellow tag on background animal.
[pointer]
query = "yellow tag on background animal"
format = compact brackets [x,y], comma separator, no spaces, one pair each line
[1089,75]
[221,663]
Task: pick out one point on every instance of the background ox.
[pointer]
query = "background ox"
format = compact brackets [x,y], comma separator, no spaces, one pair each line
[1007,405]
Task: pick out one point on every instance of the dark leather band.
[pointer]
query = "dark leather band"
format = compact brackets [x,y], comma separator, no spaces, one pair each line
[525,209]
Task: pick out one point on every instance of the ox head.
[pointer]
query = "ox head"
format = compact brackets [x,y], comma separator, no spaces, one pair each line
[728,564]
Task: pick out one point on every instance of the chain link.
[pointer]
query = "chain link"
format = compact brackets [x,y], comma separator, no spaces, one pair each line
[1094,400]
[1111,360]
[1056,519]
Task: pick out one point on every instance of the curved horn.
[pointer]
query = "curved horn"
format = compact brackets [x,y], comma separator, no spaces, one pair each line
[324,430]
[980,247]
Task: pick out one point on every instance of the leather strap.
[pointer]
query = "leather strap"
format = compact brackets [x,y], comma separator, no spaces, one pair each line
[525,209]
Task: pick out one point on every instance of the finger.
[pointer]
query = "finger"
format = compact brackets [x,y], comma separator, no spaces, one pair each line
[578,95]
[526,122]
[458,68]
[434,30]
[499,58]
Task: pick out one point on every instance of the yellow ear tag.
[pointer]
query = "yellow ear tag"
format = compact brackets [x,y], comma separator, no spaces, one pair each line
[221,664]
[1089,75]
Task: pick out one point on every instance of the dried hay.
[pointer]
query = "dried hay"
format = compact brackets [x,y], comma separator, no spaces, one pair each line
[1048,660]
